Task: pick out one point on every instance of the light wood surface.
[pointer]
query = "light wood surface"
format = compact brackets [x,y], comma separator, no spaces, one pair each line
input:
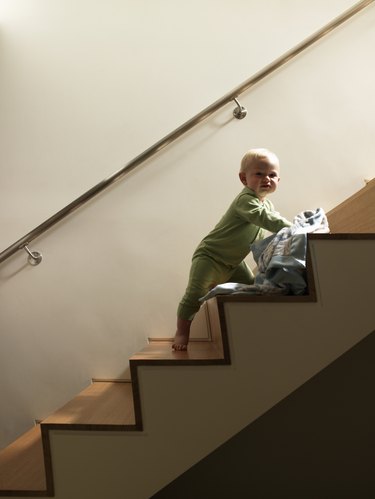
[162,351]
[22,464]
[102,403]
[356,214]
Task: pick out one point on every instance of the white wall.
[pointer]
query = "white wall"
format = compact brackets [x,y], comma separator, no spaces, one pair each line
[85,87]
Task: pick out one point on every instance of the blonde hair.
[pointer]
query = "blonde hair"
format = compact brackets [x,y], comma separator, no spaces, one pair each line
[255,155]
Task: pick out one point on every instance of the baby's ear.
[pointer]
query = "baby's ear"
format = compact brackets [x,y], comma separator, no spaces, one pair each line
[242,176]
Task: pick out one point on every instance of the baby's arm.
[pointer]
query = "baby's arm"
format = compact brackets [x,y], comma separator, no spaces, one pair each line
[261,214]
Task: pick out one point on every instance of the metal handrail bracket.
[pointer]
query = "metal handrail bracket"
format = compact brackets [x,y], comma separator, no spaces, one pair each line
[171,137]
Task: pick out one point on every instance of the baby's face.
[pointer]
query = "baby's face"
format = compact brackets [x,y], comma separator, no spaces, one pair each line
[262,176]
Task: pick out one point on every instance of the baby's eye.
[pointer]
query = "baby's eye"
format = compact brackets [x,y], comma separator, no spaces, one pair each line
[259,174]
[273,175]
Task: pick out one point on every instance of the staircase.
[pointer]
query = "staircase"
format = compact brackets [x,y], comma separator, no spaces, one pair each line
[129,438]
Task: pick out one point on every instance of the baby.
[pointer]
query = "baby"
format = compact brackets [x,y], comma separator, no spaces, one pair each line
[220,256]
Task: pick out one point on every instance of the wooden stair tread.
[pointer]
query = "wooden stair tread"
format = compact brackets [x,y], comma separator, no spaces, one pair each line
[102,403]
[22,463]
[162,351]
[356,214]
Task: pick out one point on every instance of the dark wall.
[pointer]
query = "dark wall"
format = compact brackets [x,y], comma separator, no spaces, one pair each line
[318,443]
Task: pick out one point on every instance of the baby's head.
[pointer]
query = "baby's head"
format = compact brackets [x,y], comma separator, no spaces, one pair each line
[260,171]
[258,155]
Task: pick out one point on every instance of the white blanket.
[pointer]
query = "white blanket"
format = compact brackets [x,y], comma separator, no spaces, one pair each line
[281,259]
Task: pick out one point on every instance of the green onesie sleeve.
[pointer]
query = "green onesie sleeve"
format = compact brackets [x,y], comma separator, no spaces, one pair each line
[229,242]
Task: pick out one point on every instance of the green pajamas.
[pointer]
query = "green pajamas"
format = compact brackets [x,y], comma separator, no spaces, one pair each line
[205,274]
[219,258]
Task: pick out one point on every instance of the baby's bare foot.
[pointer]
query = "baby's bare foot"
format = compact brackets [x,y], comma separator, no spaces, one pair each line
[180,342]
[181,338]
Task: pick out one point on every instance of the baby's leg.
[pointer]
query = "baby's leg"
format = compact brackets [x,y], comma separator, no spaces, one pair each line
[204,274]
[242,274]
